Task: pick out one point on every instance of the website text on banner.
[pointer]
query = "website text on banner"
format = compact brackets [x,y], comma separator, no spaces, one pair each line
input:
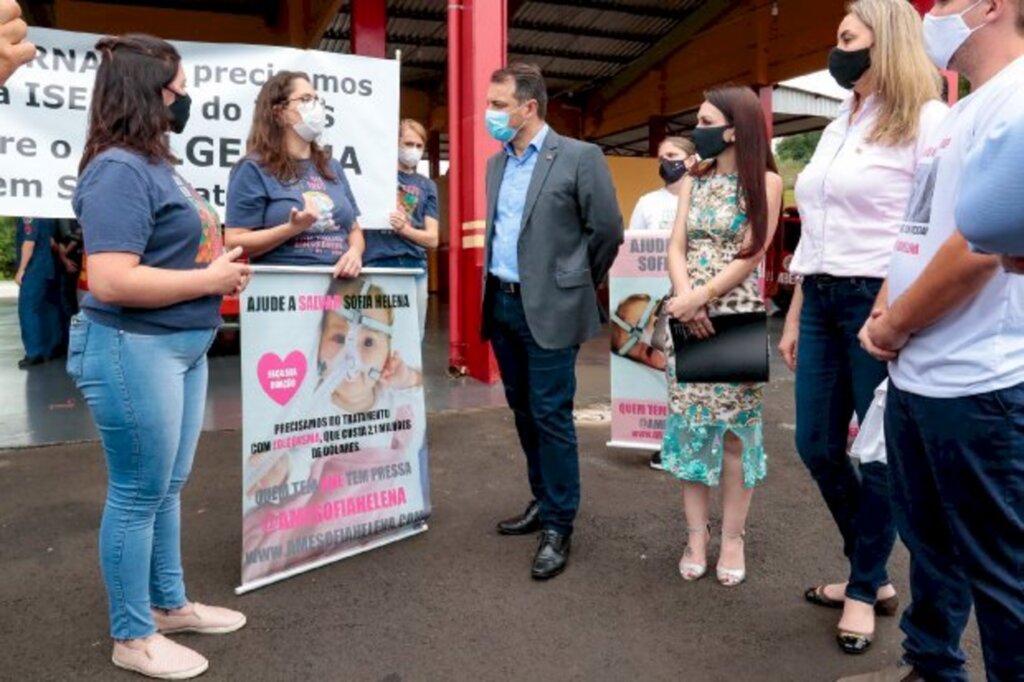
[44,109]
[334,454]
[637,283]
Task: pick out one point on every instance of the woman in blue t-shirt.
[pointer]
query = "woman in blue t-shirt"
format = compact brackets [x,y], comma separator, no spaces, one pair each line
[414,223]
[289,202]
[137,351]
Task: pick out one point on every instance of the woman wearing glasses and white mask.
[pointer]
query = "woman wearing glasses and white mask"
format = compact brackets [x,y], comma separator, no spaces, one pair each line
[289,202]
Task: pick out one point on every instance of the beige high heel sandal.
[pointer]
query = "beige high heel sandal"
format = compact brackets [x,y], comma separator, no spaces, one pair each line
[691,571]
[731,577]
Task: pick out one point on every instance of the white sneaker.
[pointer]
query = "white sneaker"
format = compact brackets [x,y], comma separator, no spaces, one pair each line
[206,620]
[161,659]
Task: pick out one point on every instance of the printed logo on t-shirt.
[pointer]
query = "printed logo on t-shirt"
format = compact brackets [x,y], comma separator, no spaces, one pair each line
[326,236]
[918,216]
[409,198]
[211,242]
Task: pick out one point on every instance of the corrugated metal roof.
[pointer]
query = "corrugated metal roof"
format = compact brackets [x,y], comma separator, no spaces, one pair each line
[576,42]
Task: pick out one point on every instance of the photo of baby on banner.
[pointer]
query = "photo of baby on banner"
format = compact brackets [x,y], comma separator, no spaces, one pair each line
[334,420]
[640,331]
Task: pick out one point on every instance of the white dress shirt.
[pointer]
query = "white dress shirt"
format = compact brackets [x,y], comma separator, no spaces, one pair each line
[853,194]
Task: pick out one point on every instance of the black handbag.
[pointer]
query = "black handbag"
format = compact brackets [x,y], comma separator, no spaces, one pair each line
[736,353]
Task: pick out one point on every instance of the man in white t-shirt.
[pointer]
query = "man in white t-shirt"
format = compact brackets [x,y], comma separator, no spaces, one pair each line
[952,324]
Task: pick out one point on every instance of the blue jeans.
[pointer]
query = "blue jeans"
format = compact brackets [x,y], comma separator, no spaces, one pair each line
[39,313]
[147,394]
[834,379]
[957,468]
[540,385]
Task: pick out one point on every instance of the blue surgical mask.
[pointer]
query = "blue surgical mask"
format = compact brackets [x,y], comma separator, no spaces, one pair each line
[943,36]
[498,127]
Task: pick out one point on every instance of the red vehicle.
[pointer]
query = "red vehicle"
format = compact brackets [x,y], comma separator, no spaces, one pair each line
[779,282]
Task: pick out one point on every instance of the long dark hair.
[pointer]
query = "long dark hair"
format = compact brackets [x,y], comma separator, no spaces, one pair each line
[754,158]
[127,107]
[266,143]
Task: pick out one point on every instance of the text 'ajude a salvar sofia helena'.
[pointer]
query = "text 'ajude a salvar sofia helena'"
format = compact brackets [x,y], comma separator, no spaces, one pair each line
[321,302]
[199,150]
[650,254]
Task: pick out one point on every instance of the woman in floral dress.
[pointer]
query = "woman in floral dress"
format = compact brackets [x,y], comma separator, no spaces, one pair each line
[727,215]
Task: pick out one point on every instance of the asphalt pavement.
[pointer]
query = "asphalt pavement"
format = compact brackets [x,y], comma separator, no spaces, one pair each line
[456,602]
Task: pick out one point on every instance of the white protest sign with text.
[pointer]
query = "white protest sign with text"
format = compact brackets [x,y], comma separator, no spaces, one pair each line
[44,110]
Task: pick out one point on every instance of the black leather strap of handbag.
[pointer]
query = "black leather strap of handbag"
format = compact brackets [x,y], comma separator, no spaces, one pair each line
[736,353]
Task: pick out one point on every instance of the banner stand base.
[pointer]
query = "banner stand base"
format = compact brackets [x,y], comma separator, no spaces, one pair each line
[284,575]
[647,447]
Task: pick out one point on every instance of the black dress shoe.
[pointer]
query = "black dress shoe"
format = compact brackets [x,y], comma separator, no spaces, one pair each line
[27,362]
[528,523]
[552,555]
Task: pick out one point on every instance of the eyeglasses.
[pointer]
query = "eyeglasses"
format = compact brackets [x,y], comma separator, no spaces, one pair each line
[307,99]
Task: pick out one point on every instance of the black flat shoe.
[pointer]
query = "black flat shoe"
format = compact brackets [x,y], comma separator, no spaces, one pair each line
[883,607]
[27,362]
[552,555]
[526,524]
[854,643]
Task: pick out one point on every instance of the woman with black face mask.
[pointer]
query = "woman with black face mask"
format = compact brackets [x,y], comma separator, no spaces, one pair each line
[657,210]
[137,351]
[728,210]
[852,196]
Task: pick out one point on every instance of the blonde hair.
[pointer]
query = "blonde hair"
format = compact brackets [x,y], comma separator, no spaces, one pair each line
[413,125]
[904,77]
[685,145]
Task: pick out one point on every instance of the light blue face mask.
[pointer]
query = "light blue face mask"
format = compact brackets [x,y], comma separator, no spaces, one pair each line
[498,127]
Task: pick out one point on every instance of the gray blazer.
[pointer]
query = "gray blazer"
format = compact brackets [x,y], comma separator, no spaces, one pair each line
[571,233]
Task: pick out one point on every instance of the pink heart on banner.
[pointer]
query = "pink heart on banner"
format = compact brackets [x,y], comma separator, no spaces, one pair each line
[279,378]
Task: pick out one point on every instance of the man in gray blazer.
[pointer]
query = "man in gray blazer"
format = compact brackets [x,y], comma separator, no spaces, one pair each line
[553,230]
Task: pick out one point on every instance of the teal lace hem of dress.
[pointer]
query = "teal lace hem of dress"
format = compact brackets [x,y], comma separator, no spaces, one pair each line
[692,450]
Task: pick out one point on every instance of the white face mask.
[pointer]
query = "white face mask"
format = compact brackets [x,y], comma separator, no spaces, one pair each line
[943,36]
[314,120]
[410,156]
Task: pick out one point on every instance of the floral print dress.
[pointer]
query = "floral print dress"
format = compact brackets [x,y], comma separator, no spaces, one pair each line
[700,415]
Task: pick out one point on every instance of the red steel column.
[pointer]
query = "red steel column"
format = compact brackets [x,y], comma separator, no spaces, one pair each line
[369,28]
[772,254]
[477,38]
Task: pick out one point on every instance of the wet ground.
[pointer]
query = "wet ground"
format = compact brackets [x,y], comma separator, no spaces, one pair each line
[455,603]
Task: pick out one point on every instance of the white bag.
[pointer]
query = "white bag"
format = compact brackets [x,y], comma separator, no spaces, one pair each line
[870,443]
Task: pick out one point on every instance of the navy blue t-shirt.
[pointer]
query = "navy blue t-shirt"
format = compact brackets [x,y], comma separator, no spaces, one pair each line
[417,196]
[126,204]
[257,200]
[38,231]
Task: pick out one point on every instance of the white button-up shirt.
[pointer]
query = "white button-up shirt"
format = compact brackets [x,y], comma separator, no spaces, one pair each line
[853,194]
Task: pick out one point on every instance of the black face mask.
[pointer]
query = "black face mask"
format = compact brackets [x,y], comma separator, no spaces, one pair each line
[180,110]
[848,67]
[710,142]
[671,170]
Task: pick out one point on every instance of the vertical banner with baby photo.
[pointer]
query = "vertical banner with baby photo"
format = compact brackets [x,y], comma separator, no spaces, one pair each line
[638,282]
[334,453]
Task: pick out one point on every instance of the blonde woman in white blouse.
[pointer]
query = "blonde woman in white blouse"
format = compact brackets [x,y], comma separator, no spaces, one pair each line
[851,198]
